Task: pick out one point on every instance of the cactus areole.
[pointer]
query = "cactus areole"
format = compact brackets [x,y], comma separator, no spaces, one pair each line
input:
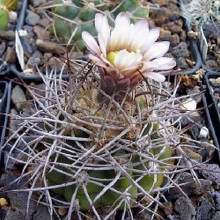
[127,53]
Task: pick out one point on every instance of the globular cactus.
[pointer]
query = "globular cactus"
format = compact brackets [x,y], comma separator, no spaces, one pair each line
[5,7]
[72,18]
[109,136]
[93,155]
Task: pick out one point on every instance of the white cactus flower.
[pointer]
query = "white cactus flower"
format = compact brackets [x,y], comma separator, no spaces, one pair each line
[128,48]
[126,53]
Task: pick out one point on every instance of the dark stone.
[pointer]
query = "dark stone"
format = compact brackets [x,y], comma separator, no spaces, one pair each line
[211,172]
[7,35]
[204,210]
[181,50]
[15,215]
[32,18]
[19,201]
[212,64]
[2,214]
[10,182]
[216,196]
[216,216]
[185,208]
[34,59]
[42,213]
[189,187]
[11,55]
[2,47]
[181,63]
[47,46]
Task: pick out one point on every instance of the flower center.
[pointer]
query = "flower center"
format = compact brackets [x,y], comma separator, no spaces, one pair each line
[121,58]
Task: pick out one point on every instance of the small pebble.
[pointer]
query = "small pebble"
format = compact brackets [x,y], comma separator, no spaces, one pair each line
[50,47]
[3,202]
[62,211]
[32,18]
[189,105]
[18,97]
[7,35]
[204,132]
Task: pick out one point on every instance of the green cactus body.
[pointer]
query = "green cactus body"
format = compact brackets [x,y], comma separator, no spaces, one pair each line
[151,181]
[141,12]
[4,18]
[127,5]
[56,178]
[9,4]
[78,3]
[82,16]
[64,28]
[81,197]
[112,198]
[87,14]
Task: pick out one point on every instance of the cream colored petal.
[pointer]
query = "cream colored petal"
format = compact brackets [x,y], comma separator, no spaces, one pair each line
[120,61]
[102,44]
[90,43]
[139,34]
[134,60]
[103,29]
[149,66]
[121,35]
[158,49]
[97,61]
[99,20]
[156,76]
[122,19]
[139,40]
[141,25]
[164,63]
[150,39]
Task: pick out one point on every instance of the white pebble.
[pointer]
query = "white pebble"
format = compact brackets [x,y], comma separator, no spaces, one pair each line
[189,105]
[204,132]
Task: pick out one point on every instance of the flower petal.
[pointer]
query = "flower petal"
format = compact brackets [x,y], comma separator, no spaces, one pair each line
[97,61]
[141,25]
[91,43]
[134,60]
[156,76]
[139,34]
[103,29]
[121,59]
[150,39]
[121,35]
[158,49]
[122,19]
[162,63]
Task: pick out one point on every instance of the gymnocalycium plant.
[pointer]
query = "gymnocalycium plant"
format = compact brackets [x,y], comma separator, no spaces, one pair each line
[201,12]
[71,18]
[5,7]
[110,137]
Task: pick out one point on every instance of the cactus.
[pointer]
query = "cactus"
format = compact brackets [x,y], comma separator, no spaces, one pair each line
[71,19]
[91,154]
[201,12]
[107,137]
[5,7]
